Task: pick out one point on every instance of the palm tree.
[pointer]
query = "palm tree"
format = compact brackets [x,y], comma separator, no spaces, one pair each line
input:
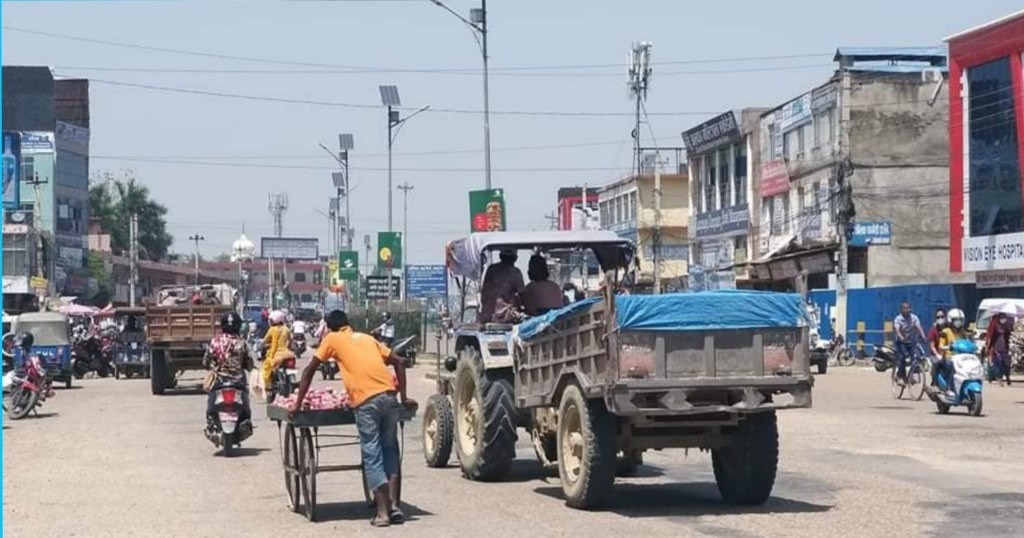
[115,200]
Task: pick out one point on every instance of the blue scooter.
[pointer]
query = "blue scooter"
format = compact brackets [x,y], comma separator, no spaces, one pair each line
[962,385]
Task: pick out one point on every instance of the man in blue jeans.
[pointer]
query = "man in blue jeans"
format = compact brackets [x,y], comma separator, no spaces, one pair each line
[908,330]
[363,362]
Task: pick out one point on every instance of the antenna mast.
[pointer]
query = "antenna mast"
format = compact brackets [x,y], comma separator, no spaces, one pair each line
[278,205]
[639,83]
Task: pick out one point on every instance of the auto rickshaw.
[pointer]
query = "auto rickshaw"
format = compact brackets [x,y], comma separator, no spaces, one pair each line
[51,342]
[131,356]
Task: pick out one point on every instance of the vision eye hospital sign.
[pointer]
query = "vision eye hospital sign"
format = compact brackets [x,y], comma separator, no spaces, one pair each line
[1005,251]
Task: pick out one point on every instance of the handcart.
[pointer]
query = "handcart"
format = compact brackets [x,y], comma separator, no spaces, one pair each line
[300,451]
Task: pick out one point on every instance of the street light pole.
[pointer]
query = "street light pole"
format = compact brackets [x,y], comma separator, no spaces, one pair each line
[196,239]
[478,25]
[405,188]
[392,122]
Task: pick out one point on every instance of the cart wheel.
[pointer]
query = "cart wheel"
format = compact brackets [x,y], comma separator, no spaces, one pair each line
[291,467]
[307,473]
[117,373]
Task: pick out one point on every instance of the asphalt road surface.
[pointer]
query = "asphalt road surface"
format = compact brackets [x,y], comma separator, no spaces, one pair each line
[108,459]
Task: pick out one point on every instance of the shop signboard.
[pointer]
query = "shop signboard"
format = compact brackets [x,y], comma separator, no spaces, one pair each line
[796,112]
[487,211]
[871,233]
[377,286]
[733,220]
[712,134]
[774,178]
[289,248]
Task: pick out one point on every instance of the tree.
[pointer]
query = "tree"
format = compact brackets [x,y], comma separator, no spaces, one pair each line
[104,282]
[114,200]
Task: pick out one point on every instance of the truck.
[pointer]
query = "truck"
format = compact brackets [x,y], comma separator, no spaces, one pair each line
[178,331]
[599,382]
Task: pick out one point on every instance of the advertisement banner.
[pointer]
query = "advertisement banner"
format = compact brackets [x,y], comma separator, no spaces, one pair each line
[774,178]
[389,250]
[377,287]
[712,134]
[289,248]
[823,98]
[73,138]
[991,252]
[36,142]
[426,281]
[487,211]
[668,252]
[348,265]
[732,220]
[796,112]
[871,233]
[12,170]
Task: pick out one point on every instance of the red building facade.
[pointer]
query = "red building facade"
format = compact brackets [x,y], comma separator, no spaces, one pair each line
[986,146]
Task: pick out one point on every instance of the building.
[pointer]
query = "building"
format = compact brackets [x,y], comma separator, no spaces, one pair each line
[302,281]
[51,117]
[722,154]
[627,207]
[986,143]
[573,213]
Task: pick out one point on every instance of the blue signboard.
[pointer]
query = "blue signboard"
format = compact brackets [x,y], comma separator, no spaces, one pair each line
[426,281]
[871,233]
[11,170]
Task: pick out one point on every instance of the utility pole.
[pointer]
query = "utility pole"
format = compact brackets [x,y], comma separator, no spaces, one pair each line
[405,187]
[656,247]
[844,205]
[133,259]
[639,83]
[196,239]
[553,219]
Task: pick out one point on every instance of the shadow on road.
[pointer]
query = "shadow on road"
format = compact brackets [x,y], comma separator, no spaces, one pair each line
[246,452]
[693,499]
[359,510]
[185,391]
[525,470]
[891,407]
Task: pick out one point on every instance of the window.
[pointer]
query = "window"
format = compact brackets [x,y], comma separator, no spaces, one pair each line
[618,210]
[823,129]
[995,197]
[789,145]
[604,214]
[712,187]
[740,172]
[801,142]
[634,209]
[816,196]
[768,146]
[780,214]
[300,277]
[318,276]
[724,179]
[696,184]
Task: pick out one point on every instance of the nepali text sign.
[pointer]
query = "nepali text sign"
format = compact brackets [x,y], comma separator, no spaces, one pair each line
[796,112]
[36,142]
[426,281]
[774,178]
[823,98]
[348,265]
[732,220]
[716,132]
[12,169]
[389,250]
[1006,278]
[667,252]
[487,211]
[986,253]
[871,233]
[290,248]
[377,287]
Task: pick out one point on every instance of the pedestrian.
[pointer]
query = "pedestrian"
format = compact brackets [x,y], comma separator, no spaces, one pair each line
[364,370]
[997,348]
[908,329]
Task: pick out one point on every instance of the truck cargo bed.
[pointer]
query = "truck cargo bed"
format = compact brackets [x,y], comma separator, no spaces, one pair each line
[170,326]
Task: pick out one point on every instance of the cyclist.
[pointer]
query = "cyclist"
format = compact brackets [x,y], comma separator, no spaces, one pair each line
[908,329]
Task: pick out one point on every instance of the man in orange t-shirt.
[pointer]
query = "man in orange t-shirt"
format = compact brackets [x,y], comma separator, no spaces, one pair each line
[364,362]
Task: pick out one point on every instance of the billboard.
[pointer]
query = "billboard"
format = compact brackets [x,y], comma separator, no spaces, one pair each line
[389,250]
[487,211]
[290,248]
[12,170]
[426,281]
[377,287]
[348,265]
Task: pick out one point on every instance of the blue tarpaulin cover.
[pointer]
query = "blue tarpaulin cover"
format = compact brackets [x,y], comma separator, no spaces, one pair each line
[709,310]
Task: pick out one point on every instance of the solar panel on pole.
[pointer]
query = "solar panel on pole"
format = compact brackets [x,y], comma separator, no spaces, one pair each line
[345,142]
[389,96]
[339,179]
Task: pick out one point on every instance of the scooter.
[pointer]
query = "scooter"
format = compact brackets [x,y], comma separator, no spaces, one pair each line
[284,381]
[27,389]
[299,344]
[962,385]
[230,420]
[329,369]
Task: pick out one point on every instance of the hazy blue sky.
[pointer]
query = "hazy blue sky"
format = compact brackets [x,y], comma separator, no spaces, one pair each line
[278,141]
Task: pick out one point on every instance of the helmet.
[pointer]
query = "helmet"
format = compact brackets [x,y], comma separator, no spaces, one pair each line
[276,317]
[230,323]
[26,340]
[957,318]
[386,316]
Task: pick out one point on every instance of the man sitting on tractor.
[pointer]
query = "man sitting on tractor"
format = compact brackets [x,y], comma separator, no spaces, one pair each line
[499,293]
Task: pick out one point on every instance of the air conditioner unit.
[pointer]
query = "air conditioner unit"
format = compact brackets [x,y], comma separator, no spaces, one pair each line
[931,75]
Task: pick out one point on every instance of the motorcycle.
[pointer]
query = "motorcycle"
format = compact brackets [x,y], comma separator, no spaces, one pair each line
[92,354]
[329,369]
[299,344]
[961,385]
[230,420]
[26,390]
[284,380]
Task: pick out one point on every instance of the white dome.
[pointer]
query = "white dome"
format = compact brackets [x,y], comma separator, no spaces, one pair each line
[242,249]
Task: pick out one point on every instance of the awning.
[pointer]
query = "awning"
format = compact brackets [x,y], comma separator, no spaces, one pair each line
[787,265]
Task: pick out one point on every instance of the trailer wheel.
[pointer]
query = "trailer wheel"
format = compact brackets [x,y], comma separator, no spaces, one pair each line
[485,419]
[438,426]
[745,471]
[158,373]
[586,450]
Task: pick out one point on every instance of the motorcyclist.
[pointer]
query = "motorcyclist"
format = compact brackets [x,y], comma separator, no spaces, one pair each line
[228,357]
[264,324]
[955,329]
[278,343]
[386,330]
[935,333]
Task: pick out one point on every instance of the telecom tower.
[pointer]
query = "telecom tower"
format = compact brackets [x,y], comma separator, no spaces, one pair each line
[277,206]
[639,83]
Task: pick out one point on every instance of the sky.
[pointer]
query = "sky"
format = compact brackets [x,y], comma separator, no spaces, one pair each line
[213,104]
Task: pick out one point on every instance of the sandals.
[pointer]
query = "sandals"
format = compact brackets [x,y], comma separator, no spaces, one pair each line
[377,522]
[396,517]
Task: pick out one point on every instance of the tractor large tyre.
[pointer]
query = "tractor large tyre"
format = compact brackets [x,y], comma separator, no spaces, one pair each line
[485,419]
[745,471]
[586,450]
[438,431]
[158,373]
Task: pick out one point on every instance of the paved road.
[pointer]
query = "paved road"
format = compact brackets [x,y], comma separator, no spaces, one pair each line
[109,459]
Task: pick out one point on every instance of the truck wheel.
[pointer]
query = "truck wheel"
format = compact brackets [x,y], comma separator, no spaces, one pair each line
[158,373]
[438,426]
[745,471]
[485,419]
[586,450]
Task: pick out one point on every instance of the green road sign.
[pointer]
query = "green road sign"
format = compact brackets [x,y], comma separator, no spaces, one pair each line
[389,250]
[348,265]
[487,211]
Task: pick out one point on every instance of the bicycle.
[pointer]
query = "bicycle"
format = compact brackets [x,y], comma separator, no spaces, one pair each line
[917,368]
